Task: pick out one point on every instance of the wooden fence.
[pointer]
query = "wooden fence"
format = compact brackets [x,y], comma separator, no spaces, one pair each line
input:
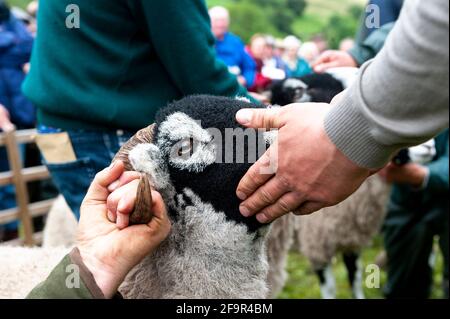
[19,177]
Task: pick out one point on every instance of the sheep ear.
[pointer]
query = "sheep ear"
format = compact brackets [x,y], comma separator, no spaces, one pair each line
[144,136]
[142,213]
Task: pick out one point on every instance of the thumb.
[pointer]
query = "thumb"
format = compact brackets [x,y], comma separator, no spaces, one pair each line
[261,118]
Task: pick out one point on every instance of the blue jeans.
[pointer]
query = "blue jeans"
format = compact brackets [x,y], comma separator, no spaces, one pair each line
[94,152]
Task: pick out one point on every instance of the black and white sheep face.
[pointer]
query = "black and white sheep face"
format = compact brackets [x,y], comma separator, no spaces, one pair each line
[212,250]
[189,154]
[318,88]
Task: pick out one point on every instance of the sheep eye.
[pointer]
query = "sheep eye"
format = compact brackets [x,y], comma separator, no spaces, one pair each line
[186,147]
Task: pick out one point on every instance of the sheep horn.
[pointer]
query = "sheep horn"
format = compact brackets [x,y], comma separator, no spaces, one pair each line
[142,213]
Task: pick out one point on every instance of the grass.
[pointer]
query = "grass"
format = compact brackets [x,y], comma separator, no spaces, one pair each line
[18,3]
[303,283]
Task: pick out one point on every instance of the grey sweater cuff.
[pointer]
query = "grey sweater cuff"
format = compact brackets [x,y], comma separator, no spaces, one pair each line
[352,134]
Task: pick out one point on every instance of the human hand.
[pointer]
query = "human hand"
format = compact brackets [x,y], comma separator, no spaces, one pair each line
[108,251]
[311,172]
[26,68]
[5,122]
[242,81]
[410,174]
[333,59]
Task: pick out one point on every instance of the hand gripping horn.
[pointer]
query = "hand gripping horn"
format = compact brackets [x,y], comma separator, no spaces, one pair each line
[142,213]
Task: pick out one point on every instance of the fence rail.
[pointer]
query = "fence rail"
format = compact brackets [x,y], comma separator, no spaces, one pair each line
[19,177]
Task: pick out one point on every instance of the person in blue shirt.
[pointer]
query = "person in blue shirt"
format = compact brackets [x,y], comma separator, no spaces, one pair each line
[15,50]
[230,49]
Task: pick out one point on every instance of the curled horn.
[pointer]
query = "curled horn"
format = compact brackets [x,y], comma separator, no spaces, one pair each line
[142,213]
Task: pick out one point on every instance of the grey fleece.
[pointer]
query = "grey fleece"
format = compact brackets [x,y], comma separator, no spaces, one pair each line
[401,97]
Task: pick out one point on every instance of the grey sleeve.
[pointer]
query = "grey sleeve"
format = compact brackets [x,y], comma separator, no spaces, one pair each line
[400,98]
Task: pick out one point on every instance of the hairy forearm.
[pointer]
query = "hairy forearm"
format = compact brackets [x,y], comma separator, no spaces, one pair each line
[401,97]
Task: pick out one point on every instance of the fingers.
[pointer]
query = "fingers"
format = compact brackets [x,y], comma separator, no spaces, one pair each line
[308,208]
[120,204]
[158,229]
[325,57]
[265,196]
[124,179]
[98,190]
[158,207]
[286,204]
[325,66]
[261,118]
[255,176]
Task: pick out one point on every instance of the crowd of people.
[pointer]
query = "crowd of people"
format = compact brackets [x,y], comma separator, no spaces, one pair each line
[265,59]
[98,124]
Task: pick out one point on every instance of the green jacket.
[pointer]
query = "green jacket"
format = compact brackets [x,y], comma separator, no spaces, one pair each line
[70,279]
[367,50]
[127,59]
[430,203]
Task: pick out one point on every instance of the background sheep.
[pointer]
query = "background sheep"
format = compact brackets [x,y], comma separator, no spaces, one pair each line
[21,269]
[346,228]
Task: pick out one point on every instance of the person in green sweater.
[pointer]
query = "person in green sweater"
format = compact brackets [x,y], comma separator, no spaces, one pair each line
[356,56]
[100,70]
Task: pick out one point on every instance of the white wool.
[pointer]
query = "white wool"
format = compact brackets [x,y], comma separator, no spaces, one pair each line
[347,227]
[205,256]
[61,225]
[21,269]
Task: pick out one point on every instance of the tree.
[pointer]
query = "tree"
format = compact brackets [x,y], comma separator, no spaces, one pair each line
[297,6]
[342,26]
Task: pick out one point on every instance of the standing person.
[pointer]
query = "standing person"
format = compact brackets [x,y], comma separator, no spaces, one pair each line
[257,49]
[100,71]
[309,51]
[418,211]
[7,193]
[297,65]
[230,48]
[15,50]
[15,108]
[274,66]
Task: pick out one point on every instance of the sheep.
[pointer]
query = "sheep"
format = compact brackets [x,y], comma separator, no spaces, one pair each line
[21,269]
[346,228]
[212,251]
[60,225]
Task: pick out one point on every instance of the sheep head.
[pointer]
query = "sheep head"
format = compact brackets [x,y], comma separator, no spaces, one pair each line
[184,156]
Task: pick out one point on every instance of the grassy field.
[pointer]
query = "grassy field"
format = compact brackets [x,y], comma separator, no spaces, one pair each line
[18,3]
[303,283]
